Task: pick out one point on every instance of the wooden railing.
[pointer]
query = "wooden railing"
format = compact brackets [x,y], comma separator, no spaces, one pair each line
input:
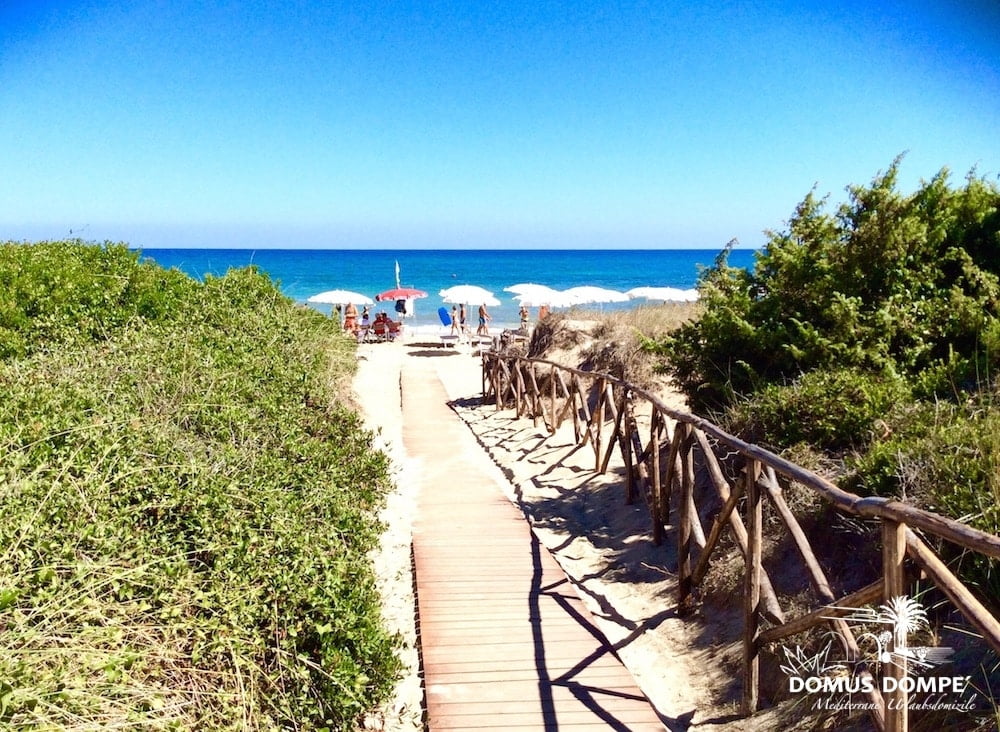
[660,465]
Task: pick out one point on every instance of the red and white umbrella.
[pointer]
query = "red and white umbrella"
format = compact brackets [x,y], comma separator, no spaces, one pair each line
[400,293]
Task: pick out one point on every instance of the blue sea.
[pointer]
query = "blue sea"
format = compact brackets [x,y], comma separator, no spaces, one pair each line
[301,273]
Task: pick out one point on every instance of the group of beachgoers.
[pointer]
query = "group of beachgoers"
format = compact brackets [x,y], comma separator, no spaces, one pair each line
[358,327]
[459,326]
[350,322]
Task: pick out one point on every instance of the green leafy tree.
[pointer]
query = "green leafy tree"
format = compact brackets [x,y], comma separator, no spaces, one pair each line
[888,284]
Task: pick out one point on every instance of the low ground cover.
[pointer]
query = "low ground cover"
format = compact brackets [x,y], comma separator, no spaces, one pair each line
[187,502]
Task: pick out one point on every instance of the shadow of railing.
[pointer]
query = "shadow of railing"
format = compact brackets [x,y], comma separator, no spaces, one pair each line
[660,447]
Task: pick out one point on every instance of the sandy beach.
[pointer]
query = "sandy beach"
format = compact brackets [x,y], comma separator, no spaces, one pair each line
[682,665]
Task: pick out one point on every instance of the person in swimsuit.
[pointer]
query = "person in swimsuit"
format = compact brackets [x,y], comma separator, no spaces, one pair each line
[351,318]
[484,318]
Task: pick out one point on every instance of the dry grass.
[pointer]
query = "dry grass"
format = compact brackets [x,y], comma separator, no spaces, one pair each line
[610,342]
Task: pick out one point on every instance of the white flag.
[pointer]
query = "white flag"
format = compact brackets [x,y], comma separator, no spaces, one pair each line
[397,275]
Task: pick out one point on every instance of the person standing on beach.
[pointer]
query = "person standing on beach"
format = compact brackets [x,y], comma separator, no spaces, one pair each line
[484,318]
[454,321]
[461,320]
[524,318]
[351,318]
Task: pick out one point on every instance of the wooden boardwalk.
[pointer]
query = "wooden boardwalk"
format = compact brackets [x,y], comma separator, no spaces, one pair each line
[506,644]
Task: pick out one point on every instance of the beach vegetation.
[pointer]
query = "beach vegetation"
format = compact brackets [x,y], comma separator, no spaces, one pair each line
[188,504]
[870,332]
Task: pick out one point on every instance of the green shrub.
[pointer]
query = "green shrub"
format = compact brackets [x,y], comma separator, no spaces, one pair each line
[889,284]
[187,516]
[839,409]
[941,455]
[886,308]
[944,457]
[54,292]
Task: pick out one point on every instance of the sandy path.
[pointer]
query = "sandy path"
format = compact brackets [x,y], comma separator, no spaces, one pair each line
[580,516]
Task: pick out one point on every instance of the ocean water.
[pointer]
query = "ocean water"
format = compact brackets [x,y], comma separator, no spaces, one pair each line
[304,272]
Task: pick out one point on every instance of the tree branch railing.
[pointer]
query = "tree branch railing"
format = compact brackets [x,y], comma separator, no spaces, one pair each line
[660,468]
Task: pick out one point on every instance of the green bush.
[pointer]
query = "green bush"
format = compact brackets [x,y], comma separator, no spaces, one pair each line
[51,292]
[840,410]
[944,457]
[889,284]
[187,512]
[871,333]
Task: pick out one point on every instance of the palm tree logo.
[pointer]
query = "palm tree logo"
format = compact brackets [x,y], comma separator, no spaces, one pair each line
[905,616]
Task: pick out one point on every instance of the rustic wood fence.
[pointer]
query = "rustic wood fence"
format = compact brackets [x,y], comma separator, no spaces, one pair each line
[659,452]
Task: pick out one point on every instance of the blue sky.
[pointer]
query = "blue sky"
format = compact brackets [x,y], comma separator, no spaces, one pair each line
[477,124]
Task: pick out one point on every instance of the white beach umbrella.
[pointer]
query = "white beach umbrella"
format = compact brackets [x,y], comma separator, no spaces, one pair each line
[585,294]
[525,288]
[666,294]
[340,297]
[534,295]
[554,299]
[467,294]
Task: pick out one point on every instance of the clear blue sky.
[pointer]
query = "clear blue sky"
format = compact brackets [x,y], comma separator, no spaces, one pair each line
[477,124]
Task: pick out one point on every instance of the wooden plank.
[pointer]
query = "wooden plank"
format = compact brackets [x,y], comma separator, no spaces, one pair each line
[506,642]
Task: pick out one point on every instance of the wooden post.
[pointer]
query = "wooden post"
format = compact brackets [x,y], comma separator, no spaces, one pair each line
[666,471]
[893,585]
[771,609]
[654,470]
[616,416]
[502,393]
[536,402]
[643,479]
[487,364]
[496,383]
[723,517]
[597,420]
[584,434]
[552,401]
[751,591]
[519,393]
[568,404]
[625,445]
[684,517]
